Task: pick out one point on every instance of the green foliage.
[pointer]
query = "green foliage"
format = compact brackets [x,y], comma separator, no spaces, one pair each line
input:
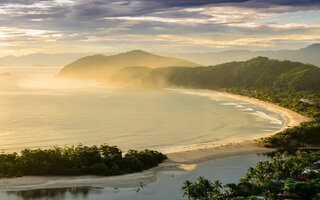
[307,133]
[275,179]
[202,189]
[80,160]
[259,72]
[307,190]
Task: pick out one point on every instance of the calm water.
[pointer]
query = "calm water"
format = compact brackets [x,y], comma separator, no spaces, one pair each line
[40,111]
[166,187]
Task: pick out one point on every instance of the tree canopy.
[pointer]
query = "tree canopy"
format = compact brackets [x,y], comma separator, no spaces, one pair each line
[77,160]
[275,179]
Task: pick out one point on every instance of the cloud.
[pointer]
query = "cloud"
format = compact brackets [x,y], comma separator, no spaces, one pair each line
[75,25]
[200,15]
[190,21]
[88,9]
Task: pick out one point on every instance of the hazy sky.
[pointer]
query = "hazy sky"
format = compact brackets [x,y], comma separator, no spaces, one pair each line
[65,26]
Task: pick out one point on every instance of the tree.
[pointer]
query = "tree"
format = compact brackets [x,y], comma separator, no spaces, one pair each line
[202,189]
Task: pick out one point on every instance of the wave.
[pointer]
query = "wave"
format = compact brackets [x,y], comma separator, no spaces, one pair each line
[247,109]
[266,116]
[216,96]
[229,104]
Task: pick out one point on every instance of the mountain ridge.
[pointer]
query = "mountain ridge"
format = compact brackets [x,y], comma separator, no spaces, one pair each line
[98,66]
[309,54]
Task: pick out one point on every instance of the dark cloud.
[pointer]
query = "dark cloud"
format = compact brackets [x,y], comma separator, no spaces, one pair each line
[90,9]
[87,15]
[293,2]
[174,3]
[98,8]
[188,3]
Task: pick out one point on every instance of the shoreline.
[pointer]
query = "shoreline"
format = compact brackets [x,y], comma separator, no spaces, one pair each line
[180,159]
[205,152]
[290,118]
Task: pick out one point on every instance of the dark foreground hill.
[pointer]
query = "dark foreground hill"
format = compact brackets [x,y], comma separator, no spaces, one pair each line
[99,67]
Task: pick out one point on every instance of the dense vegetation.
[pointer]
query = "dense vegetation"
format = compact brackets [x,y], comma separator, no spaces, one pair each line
[281,178]
[258,73]
[80,160]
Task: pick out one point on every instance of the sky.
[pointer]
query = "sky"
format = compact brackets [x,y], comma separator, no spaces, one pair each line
[171,26]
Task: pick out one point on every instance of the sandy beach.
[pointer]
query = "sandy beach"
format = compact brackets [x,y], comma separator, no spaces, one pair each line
[181,159]
[293,118]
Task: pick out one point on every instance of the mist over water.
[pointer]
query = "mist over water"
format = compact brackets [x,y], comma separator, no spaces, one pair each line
[38,110]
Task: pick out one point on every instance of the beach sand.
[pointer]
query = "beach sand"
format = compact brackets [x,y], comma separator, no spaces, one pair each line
[293,118]
[180,159]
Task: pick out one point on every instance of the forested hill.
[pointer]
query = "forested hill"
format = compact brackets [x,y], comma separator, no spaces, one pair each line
[259,72]
[99,67]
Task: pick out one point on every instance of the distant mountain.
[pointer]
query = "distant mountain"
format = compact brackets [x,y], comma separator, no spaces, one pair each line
[99,67]
[308,55]
[39,60]
[259,72]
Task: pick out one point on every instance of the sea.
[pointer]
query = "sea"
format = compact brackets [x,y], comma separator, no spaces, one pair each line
[39,110]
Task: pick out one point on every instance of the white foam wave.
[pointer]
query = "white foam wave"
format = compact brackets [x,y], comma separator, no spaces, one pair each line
[229,104]
[215,96]
[266,116]
[247,109]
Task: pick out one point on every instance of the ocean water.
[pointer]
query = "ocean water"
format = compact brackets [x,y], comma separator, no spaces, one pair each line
[38,110]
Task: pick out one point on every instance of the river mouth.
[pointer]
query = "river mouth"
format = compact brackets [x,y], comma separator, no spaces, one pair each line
[167,186]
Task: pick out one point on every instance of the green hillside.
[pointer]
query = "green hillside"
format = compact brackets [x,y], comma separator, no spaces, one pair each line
[259,72]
